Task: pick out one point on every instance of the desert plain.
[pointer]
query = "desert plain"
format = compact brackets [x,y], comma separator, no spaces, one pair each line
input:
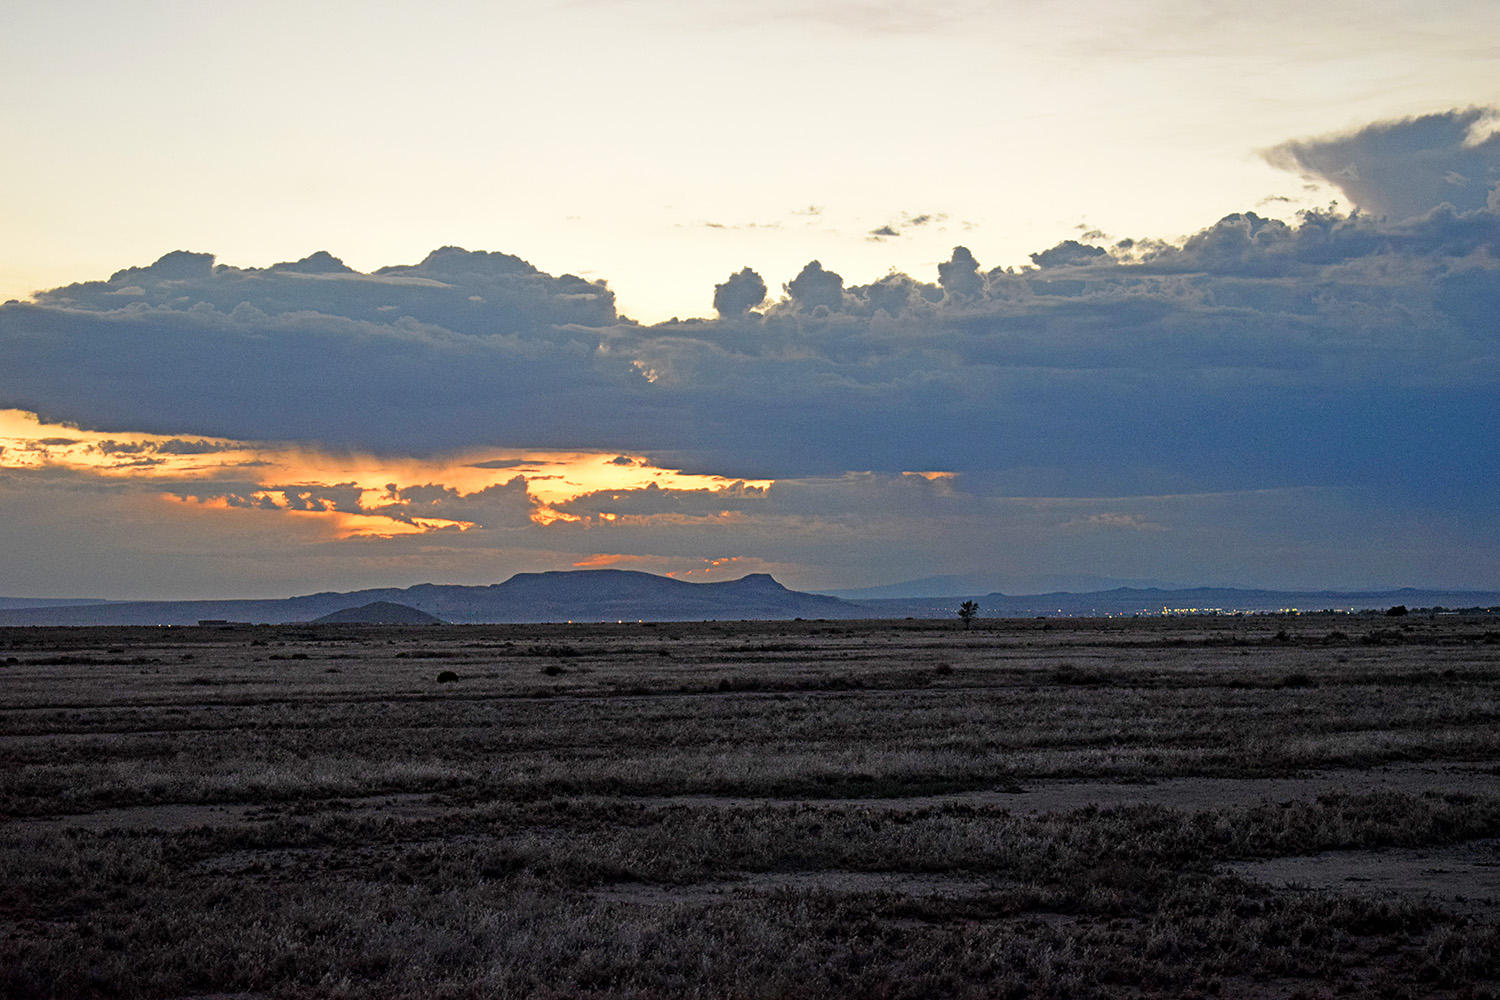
[1258,806]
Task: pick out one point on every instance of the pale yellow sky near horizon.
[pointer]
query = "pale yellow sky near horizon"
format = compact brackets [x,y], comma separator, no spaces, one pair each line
[663,145]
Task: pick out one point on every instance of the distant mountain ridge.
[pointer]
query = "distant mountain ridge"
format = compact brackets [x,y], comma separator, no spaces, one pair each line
[1155,600]
[628,595]
[8,603]
[951,584]
[579,595]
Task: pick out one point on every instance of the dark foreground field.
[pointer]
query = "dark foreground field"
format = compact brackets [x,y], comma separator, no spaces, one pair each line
[1261,807]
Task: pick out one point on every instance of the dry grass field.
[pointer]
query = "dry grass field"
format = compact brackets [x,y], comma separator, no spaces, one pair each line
[1302,806]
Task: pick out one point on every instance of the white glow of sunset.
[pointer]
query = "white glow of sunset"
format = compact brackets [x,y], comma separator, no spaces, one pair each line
[661,145]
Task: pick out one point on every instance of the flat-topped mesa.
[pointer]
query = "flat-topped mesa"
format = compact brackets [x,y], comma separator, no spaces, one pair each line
[756,581]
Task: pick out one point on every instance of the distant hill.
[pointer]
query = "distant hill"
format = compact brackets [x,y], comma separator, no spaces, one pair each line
[582,595]
[379,613]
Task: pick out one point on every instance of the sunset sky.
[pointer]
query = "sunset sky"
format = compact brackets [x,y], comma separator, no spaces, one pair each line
[1056,294]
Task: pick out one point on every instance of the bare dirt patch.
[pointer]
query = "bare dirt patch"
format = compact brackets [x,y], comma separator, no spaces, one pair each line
[1463,876]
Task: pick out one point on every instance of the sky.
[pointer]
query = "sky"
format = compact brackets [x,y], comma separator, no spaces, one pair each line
[310,297]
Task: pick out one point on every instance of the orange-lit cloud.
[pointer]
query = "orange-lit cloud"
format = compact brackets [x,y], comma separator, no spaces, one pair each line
[712,565]
[679,568]
[339,524]
[359,495]
[607,560]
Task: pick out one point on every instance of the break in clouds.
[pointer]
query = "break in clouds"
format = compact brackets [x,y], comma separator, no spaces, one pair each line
[1357,351]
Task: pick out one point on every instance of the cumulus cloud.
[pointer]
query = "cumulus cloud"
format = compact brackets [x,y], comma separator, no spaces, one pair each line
[1405,168]
[476,292]
[814,287]
[892,295]
[1069,252]
[739,293]
[959,275]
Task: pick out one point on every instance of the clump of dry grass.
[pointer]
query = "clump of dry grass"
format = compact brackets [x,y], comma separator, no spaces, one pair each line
[499,901]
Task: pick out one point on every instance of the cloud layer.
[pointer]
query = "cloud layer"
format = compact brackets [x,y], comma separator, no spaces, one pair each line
[1344,362]
[1257,353]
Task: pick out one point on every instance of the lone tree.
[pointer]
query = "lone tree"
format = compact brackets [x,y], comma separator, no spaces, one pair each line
[967,610]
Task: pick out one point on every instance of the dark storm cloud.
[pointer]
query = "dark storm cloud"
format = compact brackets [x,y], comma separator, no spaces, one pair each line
[1338,349]
[1343,351]
[424,357]
[400,385]
[1400,169]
